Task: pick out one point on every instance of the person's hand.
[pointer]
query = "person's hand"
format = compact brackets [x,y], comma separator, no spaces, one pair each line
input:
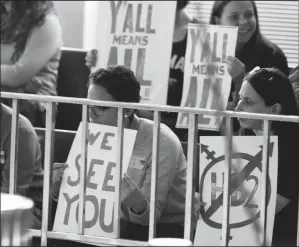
[236,69]
[58,170]
[91,58]
[131,196]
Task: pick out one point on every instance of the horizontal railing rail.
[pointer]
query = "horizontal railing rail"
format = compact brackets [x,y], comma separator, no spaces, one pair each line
[45,233]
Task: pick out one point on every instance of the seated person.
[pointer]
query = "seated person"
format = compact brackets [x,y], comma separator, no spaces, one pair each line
[29,174]
[118,83]
[294,78]
[269,91]
[31,39]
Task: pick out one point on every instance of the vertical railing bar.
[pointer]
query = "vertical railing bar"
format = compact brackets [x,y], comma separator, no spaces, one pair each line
[83,169]
[155,158]
[265,174]
[192,157]
[47,172]
[119,163]
[298,220]
[226,195]
[14,147]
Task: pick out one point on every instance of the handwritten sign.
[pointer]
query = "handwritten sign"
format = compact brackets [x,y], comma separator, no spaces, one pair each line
[100,181]
[246,188]
[137,34]
[207,83]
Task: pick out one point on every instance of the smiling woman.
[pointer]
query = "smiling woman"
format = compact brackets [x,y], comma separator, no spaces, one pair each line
[253,49]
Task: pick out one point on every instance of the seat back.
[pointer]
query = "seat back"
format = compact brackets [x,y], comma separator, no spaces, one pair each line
[72,81]
[195,166]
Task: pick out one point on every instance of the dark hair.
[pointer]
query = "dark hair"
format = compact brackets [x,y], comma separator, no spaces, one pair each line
[119,81]
[274,87]
[249,54]
[217,10]
[181,4]
[17,24]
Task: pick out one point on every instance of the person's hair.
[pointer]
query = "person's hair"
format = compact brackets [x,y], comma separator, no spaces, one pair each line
[119,81]
[274,87]
[181,4]
[249,54]
[24,16]
[217,10]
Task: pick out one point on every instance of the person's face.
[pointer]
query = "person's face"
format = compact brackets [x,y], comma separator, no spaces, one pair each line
[100,114]
[250,101]
[240,14]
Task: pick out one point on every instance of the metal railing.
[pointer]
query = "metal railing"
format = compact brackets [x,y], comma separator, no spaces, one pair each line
[44,233]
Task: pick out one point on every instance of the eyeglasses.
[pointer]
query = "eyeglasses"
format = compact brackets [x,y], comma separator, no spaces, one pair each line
[98,110]
[258,69]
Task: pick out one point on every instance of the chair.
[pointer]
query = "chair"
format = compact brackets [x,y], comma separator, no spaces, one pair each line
[195,166]
[72,81]
[62,143]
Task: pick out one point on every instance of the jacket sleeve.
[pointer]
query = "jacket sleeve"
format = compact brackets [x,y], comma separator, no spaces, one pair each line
[169,156]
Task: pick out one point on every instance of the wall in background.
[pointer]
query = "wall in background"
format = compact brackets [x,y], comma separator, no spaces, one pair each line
[278,19]
[71,16]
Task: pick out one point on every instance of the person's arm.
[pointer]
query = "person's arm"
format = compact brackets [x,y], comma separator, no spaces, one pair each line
[288,171]
[40,47]
[167,168]
[28,147]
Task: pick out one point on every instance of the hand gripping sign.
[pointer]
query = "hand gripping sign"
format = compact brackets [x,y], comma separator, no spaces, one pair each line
[245,190]
[207,83]
[100,181]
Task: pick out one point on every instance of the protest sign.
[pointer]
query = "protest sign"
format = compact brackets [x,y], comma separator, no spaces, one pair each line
[137,34]
[207,82]
[246,190]
[100,181]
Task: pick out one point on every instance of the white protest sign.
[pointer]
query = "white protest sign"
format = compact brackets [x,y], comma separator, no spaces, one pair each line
[208,46]
[246,190]
[100,181]
[137,34]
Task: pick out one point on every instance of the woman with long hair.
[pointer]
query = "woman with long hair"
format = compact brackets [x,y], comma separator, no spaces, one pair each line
[269,91]
[30,52]
[253,48]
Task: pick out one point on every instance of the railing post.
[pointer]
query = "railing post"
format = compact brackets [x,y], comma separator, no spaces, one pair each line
[47,172]
[226,194]
[83,168]
[192,159]
[119,164]
[14,147]
[155,159]
[265,174]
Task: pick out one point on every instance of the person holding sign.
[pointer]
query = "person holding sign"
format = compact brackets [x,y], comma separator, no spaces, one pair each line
[269,91]
[176,76]
[253,49]
[118,83]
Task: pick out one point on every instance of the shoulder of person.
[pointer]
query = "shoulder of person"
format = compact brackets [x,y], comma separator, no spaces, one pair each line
[167,139]
[50,24]
[271,49]
[26,129]
[294,75]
